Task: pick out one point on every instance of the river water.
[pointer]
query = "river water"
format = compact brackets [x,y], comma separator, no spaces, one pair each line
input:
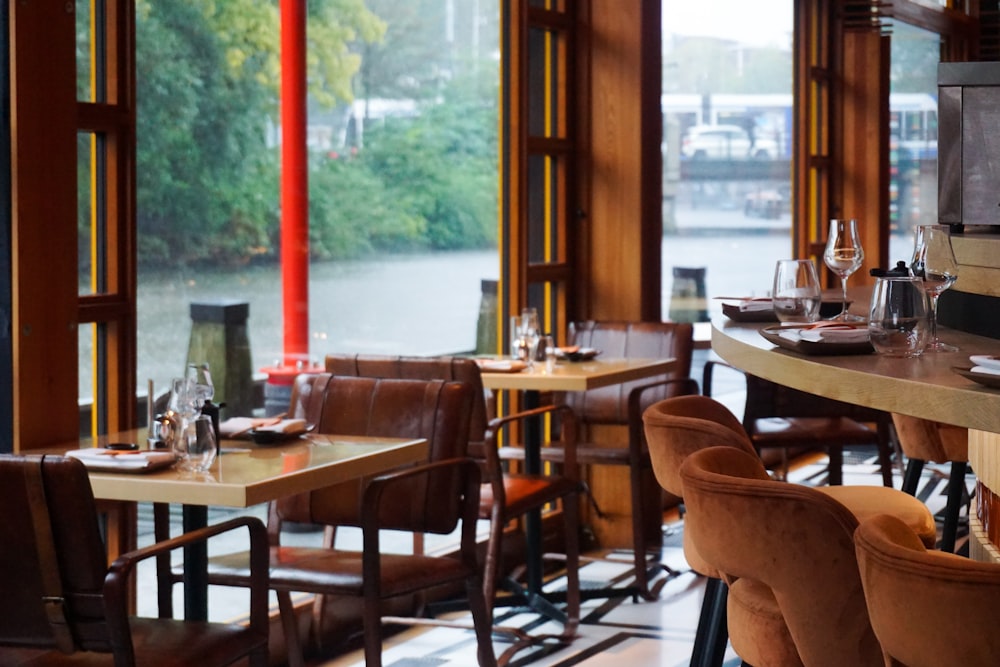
[415,304]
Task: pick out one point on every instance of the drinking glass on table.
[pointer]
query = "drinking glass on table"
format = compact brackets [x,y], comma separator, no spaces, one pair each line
[796,294]
[934,261]
[201,445]
[897,322]
[843,255]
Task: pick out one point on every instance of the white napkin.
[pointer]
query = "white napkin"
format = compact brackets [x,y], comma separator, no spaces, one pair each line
[986,370]
[755,305]
[106,457]
[835,335]
[287,426]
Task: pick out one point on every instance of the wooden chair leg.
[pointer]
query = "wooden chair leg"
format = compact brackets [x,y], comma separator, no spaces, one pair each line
[290,626]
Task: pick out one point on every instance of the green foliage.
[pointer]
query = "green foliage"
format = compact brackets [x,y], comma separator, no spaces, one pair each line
[207,181]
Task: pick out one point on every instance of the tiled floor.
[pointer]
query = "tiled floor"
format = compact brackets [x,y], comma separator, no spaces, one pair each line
[613,633]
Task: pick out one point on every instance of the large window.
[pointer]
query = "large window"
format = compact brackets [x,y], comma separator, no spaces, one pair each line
[727,132]
[402,176]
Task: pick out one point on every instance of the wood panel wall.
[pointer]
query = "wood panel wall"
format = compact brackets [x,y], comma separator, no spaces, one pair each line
[44,234]
[624,220]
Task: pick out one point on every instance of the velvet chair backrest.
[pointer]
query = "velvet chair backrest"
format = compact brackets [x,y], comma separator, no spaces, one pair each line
[677,427]
[931,441]
[793,539]
[646,340]
[928,608]
[432,409]
[76,538]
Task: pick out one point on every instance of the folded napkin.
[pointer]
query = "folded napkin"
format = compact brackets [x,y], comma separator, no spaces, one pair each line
[285,426]
[755,305]
[501,365]
[240,427]
[987,370]
[834,334]
[107,458]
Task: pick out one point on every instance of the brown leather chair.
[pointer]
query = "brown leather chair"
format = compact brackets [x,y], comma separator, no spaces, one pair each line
[927,608]
[786,422]
[623,405]
[63,605]
[924,440]
[792,539]
[434,497]
[504,496]
[677,427]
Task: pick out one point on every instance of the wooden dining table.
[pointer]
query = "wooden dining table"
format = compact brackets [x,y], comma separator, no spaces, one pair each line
[243,475]
[564,376]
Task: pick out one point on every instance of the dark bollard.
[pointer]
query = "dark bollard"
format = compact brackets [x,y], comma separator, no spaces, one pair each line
[688,302]
[219,338]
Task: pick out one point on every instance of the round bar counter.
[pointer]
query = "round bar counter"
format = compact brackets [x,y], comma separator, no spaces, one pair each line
[925,386]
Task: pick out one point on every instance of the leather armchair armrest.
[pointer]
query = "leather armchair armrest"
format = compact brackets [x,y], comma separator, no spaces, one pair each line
[116,588]
[567,437]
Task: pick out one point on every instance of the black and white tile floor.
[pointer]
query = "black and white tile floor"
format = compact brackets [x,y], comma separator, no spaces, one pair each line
[613,632]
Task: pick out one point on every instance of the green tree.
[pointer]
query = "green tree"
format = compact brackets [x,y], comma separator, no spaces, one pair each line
[207,88]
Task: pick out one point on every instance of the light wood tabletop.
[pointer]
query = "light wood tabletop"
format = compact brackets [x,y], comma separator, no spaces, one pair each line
[924,386]
[579,375]
[246,474]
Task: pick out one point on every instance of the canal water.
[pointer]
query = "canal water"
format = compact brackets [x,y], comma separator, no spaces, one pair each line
[421,304]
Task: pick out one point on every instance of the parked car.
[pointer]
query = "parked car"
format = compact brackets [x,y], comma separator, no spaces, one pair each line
[726,142]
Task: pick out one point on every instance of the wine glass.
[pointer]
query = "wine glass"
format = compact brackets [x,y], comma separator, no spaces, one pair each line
[934,261]
[843,255]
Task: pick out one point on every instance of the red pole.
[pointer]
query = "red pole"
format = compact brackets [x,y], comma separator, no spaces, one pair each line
[294,182]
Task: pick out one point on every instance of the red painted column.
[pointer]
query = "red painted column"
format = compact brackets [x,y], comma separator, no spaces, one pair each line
[294,182]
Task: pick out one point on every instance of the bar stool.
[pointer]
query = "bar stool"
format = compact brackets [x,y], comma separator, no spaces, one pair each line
[924,440]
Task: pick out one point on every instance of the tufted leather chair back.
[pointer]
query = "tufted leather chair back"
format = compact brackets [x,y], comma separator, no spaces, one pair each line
[63,490]
[456,369]
[433,409]
[647,340]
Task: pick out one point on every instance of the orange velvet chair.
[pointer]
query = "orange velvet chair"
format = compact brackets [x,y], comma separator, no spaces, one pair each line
[677,427]
[927,608]
[792,539]
[924,440]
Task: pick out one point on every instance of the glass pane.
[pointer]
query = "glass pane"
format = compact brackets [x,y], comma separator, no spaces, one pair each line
[727,118]
[91,85]
[543,200]
[90,214]
[913,136]
[543,120]
[402,176]
[92,387]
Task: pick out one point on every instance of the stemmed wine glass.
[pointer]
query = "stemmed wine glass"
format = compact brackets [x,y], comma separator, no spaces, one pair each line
[843,255]
[934,261]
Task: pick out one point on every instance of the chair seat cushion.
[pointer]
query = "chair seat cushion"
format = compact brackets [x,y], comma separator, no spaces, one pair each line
[867,501]
[165,643]
[757,629]
[525,492]
[333,571]
[781,431]
[586,454]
